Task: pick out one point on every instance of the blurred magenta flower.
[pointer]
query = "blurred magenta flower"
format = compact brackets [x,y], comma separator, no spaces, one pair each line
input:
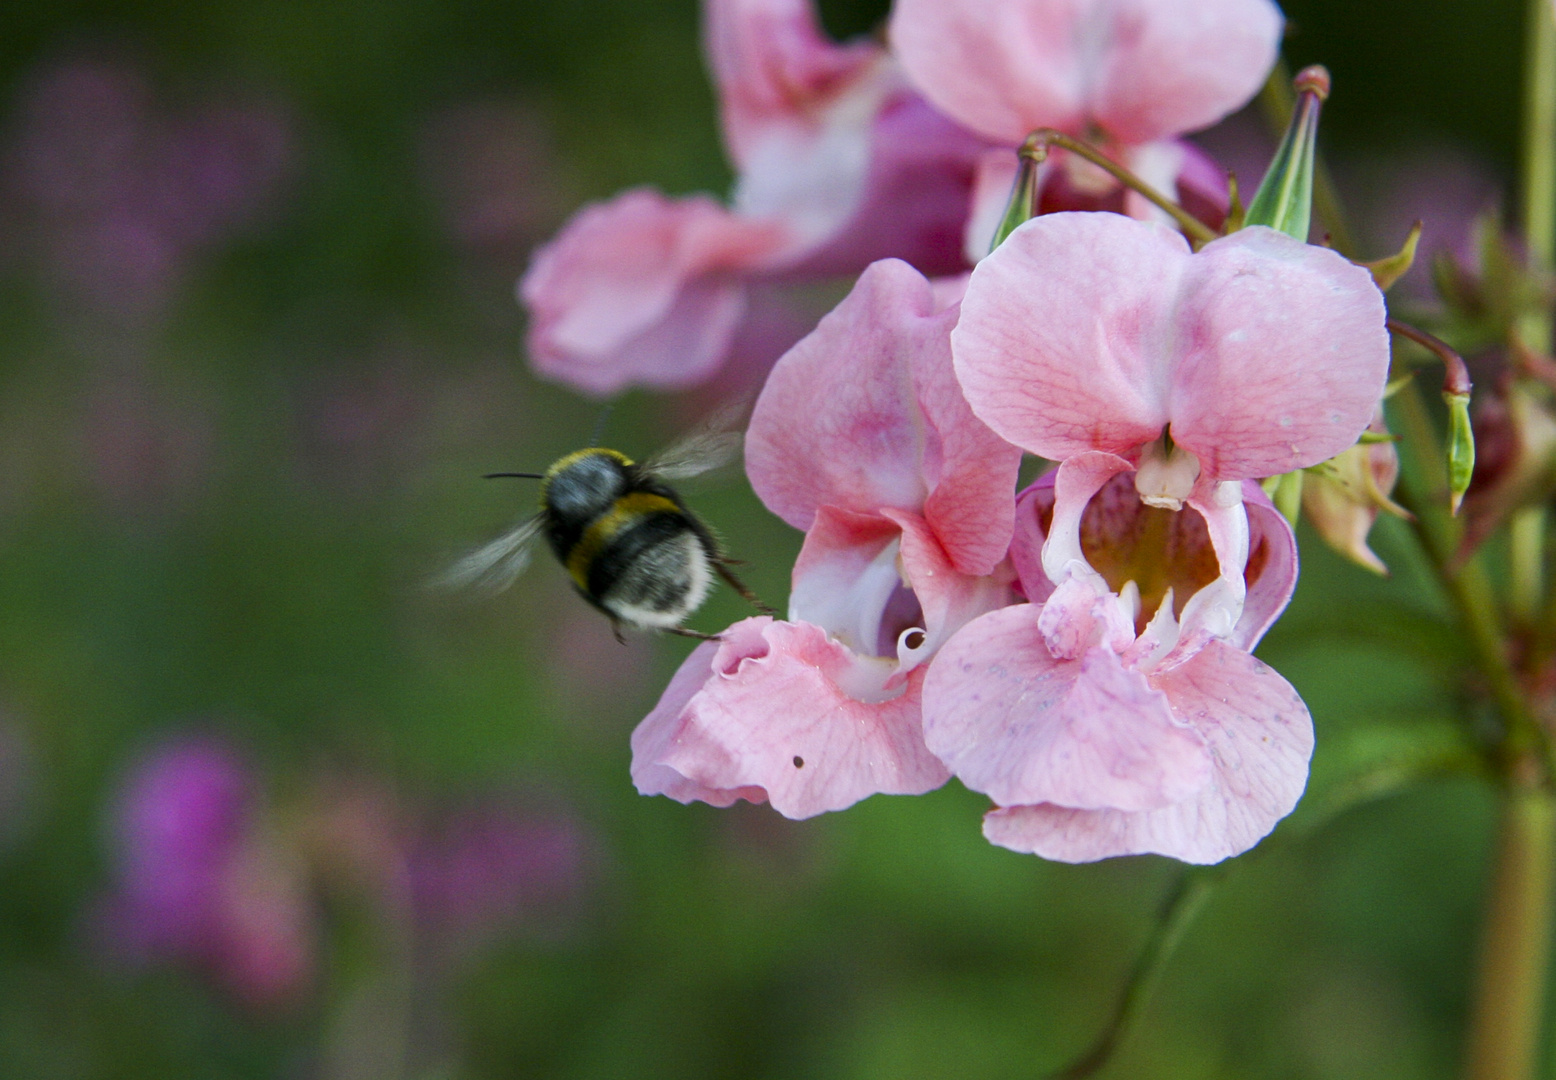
[484,866]
[200,879]
[1133,76]
[862,439]
[1120,712]
[838,163]
[116,194]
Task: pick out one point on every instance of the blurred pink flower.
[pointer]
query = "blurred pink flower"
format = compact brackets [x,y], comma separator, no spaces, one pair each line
[1140,70]
[198,877]
[118,194]
[862,439]
[838,164]
[1130,76]
[1124,713]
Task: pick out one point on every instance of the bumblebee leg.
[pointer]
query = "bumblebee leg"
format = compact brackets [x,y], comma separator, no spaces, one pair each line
[616,632]
[722,566]
[681,631]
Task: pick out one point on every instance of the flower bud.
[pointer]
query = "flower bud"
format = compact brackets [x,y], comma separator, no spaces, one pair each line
[1284,200]
[1461,448]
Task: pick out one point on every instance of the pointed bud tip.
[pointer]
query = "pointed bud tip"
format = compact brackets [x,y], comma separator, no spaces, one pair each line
[1313,80]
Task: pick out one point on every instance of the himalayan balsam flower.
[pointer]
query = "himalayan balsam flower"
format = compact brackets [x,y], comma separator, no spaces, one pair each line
[1120,711]
[1131,75]
[838,163]
[861,438]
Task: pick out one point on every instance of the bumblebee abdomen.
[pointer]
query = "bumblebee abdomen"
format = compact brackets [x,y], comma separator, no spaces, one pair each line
[643,561]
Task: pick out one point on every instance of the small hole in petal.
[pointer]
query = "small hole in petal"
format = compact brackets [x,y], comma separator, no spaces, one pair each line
[799,762]
[914,640]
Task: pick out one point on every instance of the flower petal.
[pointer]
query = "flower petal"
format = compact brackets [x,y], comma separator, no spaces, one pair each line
[1013,721]
[655,737]
[865,413]
[1094,332]
[643,290]
[1174,66]
[1282,355]
[1271,573]
[771,718]
[1260,737]
[1141,69]
[1064,341]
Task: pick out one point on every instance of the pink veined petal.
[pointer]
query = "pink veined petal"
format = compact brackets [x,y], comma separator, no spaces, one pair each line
[1141,69]
[846,576]
[1264,354]
[1174,66]
[865,414]
[1283,355]
[1272,568]
[1214,611]
[1026,546]
[947,598]
[643,289]
[1076,481]
[1064,340]
[1260,738]
[1016,723]
[655,737]
[772,717]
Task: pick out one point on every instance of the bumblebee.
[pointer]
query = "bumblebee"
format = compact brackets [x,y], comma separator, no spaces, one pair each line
[630,544]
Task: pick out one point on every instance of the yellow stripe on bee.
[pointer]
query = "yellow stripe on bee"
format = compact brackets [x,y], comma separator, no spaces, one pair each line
[603,529]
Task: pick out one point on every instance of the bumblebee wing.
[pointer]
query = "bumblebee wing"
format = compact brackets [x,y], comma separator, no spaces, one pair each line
[492,568]
[714,442]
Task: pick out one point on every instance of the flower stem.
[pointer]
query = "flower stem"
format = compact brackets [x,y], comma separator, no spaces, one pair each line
[1509,998]
[1179,910]
[1539,159]
[1036,149]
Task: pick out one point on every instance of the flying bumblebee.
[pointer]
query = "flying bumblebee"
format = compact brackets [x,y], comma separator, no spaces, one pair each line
[626,538]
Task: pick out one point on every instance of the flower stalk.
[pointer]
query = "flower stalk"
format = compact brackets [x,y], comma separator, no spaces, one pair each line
[1036,148]
[1509,997]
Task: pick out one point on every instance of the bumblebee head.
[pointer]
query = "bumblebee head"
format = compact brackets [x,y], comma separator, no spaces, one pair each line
[585,482]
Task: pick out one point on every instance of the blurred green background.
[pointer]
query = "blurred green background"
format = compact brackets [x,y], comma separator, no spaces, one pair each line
[233,451]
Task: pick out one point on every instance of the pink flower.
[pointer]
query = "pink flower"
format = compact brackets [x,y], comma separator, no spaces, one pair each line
[1120,712]
[862,439]
[838,164]
[1130,76]
[1138,70]
[200,879]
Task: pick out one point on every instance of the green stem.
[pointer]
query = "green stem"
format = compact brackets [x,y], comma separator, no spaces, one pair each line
[1526,556]
[1509,998]
[1539,149]
[1036,147]
[1179,910]
[1468,587]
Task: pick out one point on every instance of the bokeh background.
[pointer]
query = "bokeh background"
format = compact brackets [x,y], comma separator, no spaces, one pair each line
[271,808]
